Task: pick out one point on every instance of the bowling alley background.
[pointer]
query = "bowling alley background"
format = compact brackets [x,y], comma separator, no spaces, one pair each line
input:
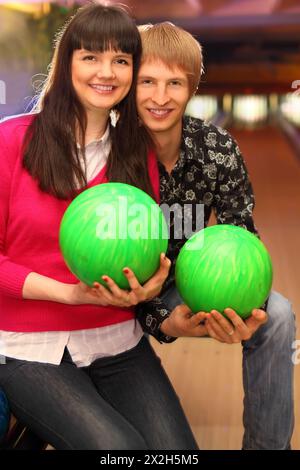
[251,86]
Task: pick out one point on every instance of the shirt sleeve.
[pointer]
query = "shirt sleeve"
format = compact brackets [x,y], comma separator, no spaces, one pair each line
[151,314]
[234,199]
[12,275]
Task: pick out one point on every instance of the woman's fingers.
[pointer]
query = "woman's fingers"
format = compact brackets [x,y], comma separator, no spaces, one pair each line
[132,279]
[137,293]
[164,268]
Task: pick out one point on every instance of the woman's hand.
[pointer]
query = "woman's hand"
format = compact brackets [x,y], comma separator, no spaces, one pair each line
[113,295]
[83,294]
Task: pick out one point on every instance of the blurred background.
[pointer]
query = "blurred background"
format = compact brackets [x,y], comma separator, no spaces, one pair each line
[251,86]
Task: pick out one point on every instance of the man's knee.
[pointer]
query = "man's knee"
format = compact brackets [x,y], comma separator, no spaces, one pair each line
[281,317]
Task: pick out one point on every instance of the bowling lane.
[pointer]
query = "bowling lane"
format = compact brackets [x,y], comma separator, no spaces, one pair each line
[275,173]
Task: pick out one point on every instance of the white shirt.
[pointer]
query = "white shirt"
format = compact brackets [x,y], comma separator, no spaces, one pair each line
[96,154]
[84,346]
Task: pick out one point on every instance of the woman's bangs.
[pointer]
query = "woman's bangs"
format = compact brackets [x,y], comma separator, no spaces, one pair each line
[98,35]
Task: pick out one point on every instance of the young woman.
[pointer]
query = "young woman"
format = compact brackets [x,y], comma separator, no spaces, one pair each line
[78,370]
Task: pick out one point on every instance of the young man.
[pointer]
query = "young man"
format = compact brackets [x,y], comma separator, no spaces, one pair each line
[201,164]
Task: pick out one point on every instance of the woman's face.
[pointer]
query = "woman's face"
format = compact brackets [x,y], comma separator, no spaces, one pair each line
[101,79]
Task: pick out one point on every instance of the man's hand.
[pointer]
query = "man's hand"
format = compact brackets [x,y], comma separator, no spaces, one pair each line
[235,330]
[182,322]
[113,295]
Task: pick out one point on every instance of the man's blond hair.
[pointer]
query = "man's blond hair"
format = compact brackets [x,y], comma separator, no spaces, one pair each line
[175,47]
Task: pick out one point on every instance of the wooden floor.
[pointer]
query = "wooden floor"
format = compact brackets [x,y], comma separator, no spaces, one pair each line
[207,375]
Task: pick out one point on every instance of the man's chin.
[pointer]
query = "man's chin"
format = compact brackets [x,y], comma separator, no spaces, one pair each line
[157,127]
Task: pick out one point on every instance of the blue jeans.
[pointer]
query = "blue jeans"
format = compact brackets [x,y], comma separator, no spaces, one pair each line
[267,376]
[124,402]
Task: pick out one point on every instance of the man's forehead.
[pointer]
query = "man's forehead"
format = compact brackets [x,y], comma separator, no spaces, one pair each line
[156,64]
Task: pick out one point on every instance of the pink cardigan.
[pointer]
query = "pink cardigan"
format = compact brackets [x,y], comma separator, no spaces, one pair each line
[29,227]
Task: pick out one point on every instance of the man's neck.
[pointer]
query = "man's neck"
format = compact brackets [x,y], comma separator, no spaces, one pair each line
[168,147]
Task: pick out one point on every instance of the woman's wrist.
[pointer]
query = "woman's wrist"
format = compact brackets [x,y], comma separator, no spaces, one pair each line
[38,287]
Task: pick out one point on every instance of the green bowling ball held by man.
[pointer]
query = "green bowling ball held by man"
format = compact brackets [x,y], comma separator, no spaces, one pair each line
[223,324]
[224,266]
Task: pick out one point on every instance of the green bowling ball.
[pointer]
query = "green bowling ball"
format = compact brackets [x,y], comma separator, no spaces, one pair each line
[224,266]
[109,227]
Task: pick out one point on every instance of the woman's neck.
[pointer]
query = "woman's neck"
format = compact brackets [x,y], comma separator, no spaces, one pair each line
[96,126]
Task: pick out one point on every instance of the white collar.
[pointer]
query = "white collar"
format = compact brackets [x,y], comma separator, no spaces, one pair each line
[103,140]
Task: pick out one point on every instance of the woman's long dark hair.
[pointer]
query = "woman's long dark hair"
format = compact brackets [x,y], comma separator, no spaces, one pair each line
[50,149]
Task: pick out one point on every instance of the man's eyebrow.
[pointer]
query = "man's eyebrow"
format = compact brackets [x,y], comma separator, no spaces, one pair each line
[171,78]
[178,78]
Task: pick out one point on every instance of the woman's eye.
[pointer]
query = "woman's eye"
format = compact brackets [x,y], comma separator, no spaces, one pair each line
[122,61]
[89,57]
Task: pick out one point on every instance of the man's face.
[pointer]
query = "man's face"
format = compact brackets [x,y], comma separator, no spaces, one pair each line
[162,96]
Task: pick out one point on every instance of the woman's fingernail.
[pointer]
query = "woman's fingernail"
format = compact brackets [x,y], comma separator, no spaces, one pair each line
[126,271]
[105,278]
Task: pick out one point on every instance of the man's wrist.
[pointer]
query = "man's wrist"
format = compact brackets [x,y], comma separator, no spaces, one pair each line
[166,328]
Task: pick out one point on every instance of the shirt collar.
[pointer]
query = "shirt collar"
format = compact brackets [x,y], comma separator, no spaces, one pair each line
[103,140]
[192,139]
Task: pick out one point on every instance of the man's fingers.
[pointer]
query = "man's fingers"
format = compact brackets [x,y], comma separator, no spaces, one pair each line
[184,310]
[260,316]
[197,318]
[223,322]
[217,328]
[190,324]
[237,321]
[211,332]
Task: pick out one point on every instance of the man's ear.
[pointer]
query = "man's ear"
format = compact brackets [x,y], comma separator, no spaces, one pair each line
[194,93]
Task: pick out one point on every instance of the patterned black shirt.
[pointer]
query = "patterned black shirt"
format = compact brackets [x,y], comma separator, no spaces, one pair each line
[210,171]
